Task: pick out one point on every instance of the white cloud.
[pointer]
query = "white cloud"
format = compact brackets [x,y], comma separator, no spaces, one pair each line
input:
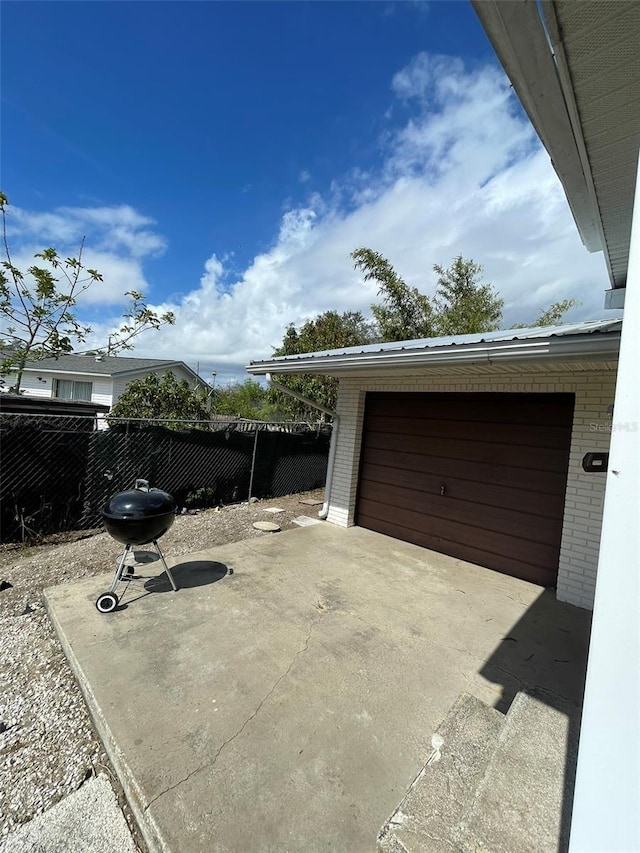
[428,74]
[463,175]
[116,241]
[108,228]
[119,273]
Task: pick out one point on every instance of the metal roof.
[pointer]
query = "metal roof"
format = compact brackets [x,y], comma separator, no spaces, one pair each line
[502,343]
[577,74]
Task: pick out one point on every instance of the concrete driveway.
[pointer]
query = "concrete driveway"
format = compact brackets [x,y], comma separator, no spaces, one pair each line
[285,697]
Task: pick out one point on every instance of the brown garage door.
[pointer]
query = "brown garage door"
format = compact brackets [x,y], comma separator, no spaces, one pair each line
[481,477]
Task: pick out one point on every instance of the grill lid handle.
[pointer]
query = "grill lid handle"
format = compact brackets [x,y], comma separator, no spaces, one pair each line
[142,485]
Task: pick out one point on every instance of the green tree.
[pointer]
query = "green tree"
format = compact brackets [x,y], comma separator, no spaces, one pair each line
[463,304]
[405,313]
[162,398]
[38,308]
[327,331]
[551,316]
[244,400]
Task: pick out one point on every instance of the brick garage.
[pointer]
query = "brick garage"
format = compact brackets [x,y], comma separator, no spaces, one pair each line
[592,384]
[576,360]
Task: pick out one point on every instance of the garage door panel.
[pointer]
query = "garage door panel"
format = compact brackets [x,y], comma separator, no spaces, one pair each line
[528,435]
[503,461]
[447,531]
[541,482]
[470,450]
[481,492]
[447,507]
[517,542]
[555,409]
[506,565]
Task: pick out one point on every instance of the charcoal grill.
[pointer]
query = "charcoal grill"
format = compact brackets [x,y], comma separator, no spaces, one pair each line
[139,516]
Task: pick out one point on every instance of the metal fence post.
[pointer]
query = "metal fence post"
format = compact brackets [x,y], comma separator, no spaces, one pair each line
[253,462]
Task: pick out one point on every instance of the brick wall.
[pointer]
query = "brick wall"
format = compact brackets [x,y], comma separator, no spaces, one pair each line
[593,385]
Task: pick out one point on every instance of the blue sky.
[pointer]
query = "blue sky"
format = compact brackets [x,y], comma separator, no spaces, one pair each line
[226,157]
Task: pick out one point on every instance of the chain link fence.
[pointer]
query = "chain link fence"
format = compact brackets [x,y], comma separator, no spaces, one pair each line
[57,471]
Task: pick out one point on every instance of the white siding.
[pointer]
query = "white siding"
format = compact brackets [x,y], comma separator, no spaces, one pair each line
[42,385]
[593,386]
[181,373]
[100,385]
[119,386]
[102,391]
[106,390]
[120,382]
[32,386]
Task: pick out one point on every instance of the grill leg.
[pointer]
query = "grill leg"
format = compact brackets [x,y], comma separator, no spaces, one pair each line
[166,567]
[118,575]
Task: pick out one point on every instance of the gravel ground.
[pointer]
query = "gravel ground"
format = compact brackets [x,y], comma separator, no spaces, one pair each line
[48,746]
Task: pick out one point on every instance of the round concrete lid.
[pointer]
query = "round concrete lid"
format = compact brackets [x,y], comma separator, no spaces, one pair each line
[269,526]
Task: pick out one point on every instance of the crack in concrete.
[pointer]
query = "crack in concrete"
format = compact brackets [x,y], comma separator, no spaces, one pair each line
[271,691]
[252,716]
[172,787]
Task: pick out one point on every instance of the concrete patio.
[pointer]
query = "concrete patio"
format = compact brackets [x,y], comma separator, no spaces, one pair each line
[285,697]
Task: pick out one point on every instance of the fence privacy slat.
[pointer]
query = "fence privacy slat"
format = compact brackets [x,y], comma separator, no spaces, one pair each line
[56,472]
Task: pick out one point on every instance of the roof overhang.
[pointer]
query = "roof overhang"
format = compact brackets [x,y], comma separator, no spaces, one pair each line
[116,374]
[562,349]
[577,74]
[35,369]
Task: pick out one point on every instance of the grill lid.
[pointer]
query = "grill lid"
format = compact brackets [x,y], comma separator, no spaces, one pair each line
[139,502]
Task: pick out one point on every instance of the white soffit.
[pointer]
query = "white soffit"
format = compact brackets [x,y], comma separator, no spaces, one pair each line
[577,75]
[597,48]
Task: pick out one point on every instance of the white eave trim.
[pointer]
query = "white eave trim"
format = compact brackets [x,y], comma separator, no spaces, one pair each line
[67,372]
[560,349]
[121,373]
[543,86]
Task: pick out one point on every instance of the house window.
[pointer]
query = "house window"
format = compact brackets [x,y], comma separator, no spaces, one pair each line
[69,389]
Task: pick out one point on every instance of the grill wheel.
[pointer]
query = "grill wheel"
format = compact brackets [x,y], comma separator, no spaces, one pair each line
[107,602]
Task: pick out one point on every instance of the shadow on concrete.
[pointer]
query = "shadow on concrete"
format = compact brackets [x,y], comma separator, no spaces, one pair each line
[545,654]
[187,575]
[143,557]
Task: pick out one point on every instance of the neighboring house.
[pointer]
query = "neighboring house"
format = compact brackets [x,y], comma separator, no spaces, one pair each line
[576,69]
[95,379]
[476,445]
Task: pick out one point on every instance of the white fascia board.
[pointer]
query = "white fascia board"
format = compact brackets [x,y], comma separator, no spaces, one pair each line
[561,348]
[520,41]
[586,219]
[65,372]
